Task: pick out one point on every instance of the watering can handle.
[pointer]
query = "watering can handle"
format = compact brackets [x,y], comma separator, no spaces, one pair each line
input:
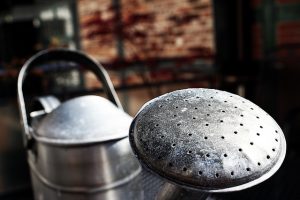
[66,55]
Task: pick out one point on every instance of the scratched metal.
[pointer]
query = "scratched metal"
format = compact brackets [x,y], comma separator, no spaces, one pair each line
[207,139]
[86,119]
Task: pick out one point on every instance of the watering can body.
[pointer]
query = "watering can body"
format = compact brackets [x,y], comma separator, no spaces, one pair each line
[77,149]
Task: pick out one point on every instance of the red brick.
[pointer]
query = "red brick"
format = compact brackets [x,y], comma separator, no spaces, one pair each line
[257,42]
[256,3]
[288,1]
[151,29]
[288,33]
[288,42]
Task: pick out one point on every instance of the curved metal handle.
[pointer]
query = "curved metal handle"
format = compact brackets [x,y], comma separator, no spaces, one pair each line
[66,55]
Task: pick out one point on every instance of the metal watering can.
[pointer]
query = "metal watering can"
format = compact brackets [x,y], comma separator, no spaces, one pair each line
[77,149]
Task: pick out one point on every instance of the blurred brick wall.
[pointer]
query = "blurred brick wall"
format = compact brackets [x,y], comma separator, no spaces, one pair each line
[256,3]
[288,42]
[257,41]
[168,28]
[288,1]
[149,29]
[288,32]
[97,20]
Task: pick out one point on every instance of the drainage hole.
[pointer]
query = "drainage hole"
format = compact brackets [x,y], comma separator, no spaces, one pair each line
[276,131]
[258,164]
[207,155]
[240,149]
[235,106]
[268,157]
[232,173]
[197,97]
[178,124]
[276,139]
[241,124]
[173,145]
[162,136]
[260,126]
[248,169]
[196,108]
[156,125]
[257,134]
[209,105]
[223,111]
[257,117]
[223,137]
[206,124]
[235,132]
[190,134]
[207,114]
[252,109]
[170,165]
[159,157]
[174,115]
[176,107]
[200,172]
[194,117]
[273,149]
[189,152]
[184,169]
[205,137]
[251,143]
[160,106]
[225,101]
[211,97]
[221,121]
[225,155]
[242,115]
[217,175]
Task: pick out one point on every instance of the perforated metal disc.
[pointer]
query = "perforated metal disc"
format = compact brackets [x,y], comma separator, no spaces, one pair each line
[207,139]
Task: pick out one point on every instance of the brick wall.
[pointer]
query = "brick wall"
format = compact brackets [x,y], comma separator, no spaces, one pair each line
[288,41]
[257,41]
[161,28]
[288,1]
[256,3]
[150,29]
[97,26]
[288,32]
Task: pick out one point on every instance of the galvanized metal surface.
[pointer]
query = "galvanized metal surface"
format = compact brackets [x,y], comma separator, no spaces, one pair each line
[84,169]
[58,55]
[207,139]
[145,186]
[87,119]
[78,149]
[81,150]
[43,105]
